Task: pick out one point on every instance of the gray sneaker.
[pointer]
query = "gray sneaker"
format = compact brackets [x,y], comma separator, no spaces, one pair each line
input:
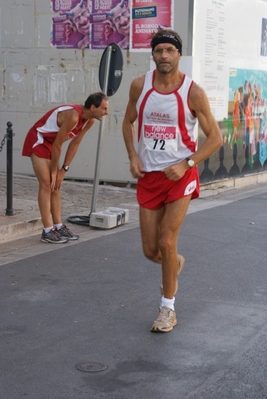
[66,233]
[165,321]
[53,237]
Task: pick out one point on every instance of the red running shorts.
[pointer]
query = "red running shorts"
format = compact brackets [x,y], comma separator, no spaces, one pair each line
[155,189]
[42,150]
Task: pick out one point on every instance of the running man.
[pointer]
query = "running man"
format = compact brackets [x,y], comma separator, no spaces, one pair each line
[167,105]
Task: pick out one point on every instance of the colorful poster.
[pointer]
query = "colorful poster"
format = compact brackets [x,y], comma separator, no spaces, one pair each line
[97,23]
[148,17]
[110,23]
[247,113]
[70,28]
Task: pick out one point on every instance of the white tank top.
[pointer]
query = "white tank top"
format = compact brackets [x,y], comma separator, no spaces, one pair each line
[167,131]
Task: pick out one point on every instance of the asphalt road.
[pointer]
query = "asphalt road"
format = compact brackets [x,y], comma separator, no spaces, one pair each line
[93,302]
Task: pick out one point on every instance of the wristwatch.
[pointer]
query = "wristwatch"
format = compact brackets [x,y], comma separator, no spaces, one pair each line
[190,162]
[65,167]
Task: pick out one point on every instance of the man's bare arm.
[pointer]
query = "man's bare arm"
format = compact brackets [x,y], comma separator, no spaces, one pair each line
[75,142]
[67,120]
[128,130]
[70,153]
[199,103]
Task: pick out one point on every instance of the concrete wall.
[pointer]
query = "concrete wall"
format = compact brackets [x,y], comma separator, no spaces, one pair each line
[36,77]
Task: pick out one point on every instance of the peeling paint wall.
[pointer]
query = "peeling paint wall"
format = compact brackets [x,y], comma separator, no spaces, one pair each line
[35,77]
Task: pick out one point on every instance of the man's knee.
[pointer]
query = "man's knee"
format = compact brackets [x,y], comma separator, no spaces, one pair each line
[45,186]
[167,244]
[153,255]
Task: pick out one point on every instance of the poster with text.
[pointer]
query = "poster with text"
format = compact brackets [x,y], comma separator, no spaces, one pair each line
[71,24]
[148,17]
[110,23]
[221,40]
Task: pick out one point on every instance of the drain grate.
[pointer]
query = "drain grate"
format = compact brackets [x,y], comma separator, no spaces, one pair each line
[91,367]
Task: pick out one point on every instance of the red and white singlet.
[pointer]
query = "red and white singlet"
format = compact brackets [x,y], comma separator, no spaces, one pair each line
[42,134]
[167,131]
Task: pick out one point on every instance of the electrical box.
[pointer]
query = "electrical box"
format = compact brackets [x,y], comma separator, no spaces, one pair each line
[109,218]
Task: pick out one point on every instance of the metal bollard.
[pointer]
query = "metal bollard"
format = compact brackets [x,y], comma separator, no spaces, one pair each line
[9,169]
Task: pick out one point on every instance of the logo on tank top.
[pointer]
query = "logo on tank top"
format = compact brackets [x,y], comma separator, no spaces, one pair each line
[159,115]
[160,137]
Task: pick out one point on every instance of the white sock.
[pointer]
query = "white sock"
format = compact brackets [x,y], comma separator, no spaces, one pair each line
[58,226]
[167,302]
[47,229]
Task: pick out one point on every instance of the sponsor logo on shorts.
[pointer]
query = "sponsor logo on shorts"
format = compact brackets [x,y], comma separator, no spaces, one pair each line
[190,188]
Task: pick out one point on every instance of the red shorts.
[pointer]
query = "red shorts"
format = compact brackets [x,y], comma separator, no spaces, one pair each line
[31,145]
[155,189]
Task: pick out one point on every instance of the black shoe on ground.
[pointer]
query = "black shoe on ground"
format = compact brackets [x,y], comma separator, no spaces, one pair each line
[53,237]
[66,233]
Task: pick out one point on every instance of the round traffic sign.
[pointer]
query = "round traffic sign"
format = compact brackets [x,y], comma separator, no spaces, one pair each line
[111,66]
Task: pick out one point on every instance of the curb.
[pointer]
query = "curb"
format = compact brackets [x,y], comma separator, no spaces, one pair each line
[20,229]
[236,182]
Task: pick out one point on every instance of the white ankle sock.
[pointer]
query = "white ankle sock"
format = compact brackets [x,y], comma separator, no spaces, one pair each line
[58,226]
[47,229]
[167,302]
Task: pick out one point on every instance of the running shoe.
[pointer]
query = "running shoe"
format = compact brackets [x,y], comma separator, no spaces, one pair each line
[66,233]
[53,237]
[165,321]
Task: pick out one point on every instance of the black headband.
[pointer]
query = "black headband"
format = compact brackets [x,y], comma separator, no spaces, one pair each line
[167,38]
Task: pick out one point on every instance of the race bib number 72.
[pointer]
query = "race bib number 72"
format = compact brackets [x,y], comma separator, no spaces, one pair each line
[160,138]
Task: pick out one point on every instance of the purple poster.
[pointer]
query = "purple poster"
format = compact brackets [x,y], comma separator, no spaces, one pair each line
[90,23]
[71,24]
[110,23]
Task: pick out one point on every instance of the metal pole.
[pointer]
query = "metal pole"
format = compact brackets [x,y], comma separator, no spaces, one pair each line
[96,176]
[9,169]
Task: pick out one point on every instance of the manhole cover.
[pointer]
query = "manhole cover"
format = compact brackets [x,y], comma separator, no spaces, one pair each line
[91,367]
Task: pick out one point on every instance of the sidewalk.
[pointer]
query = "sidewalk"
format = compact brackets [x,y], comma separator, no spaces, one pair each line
[76,200]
